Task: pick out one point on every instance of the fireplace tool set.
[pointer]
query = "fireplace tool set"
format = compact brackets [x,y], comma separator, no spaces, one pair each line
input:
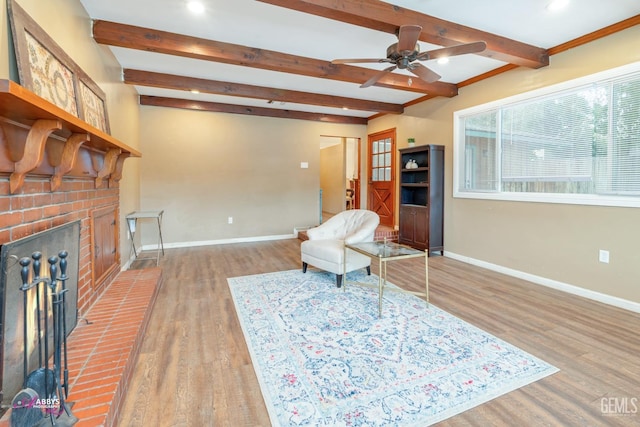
[47,387]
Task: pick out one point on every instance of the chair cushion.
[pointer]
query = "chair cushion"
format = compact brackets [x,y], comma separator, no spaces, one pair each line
[328,255]
[324,249]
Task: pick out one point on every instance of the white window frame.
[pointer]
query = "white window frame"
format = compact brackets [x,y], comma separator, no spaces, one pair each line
[578,199]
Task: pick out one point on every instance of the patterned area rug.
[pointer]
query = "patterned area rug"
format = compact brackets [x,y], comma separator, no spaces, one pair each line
[324,358]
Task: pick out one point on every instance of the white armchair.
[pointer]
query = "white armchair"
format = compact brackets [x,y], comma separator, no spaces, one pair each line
[325,247]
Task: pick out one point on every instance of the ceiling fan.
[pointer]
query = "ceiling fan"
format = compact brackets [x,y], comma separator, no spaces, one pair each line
[403,54]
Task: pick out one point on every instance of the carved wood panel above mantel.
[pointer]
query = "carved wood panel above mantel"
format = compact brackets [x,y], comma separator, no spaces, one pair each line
[39,138]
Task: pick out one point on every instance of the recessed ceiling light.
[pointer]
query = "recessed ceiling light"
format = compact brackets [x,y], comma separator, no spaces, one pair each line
[443,60]
[195,6]
[555,5]
[195,91]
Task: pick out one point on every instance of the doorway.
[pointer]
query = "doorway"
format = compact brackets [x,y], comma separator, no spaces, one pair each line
[381,168]
[339,174]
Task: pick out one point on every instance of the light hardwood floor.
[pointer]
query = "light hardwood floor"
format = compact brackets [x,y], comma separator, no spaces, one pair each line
[194,368]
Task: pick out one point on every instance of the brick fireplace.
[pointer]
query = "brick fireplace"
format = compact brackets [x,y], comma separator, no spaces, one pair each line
[56,169]
[37,209]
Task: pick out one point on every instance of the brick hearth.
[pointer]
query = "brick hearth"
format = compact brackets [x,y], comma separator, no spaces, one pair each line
[103,348]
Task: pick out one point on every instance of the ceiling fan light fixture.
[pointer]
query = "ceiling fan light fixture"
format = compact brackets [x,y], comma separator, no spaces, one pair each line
[402,58]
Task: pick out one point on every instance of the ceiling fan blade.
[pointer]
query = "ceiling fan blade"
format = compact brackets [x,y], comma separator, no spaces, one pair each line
[460,49]
[426,74]
[408,37]
[378,76]
[358,60]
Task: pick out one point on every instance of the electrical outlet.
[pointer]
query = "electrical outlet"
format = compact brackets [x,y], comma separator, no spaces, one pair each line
[230,220]
[603,256]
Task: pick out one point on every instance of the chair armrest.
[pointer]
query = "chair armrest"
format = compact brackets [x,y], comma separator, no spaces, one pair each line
[325,231]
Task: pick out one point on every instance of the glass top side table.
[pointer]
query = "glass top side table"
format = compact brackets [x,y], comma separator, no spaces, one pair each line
[132,221]
[385,252]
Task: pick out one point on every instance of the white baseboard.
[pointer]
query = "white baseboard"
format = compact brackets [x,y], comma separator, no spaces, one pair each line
[565,287]
[221,241]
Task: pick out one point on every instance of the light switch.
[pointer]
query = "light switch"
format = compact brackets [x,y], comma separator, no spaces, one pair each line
[304,165]
[603,256]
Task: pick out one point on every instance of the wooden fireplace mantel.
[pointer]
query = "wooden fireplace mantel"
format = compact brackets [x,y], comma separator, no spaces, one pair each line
[28,122]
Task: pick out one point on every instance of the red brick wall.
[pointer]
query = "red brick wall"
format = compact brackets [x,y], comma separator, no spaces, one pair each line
[37,209]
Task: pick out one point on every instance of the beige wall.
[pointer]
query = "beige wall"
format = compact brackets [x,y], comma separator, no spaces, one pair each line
[553,241]
[202,168]
[332,178]
[69,25]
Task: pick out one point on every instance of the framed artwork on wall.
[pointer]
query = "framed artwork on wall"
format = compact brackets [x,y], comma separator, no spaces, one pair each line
[47,70]
[49,78]
[92,105]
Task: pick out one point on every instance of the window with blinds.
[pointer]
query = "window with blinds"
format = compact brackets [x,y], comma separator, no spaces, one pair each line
[578,142]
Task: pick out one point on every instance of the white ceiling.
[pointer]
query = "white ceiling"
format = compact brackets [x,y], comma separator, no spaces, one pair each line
[256,24]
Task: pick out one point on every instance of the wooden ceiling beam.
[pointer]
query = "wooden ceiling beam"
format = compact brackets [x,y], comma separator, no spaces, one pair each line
[132,37]
[382,16]
[216,107]
[170,81]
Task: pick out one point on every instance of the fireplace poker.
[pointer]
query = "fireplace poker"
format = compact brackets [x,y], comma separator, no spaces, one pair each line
[24,273]
[58,298]
[63,279]
[36,266]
